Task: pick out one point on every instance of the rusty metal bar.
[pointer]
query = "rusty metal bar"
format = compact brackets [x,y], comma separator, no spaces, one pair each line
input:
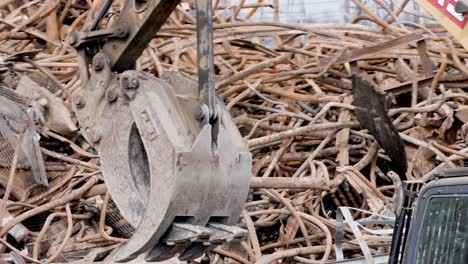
[358,54]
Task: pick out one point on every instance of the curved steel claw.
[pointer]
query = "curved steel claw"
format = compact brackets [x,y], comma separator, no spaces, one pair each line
[167,178]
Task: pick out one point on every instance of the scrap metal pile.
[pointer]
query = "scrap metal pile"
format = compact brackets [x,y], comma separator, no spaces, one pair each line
[289,88]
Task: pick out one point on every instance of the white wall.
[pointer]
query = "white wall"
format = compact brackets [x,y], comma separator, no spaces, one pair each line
[322,11]
[307,11]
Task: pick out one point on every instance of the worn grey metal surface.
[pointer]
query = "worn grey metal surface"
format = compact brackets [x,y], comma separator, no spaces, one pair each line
[153,149]
[191,183]
[174,161]
[159,162]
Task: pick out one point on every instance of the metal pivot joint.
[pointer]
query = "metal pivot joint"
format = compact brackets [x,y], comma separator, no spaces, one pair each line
[77,39]
[180,179]
[205,64]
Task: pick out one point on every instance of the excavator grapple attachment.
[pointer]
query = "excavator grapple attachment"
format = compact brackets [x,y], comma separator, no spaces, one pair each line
[174,162]
[177,186]
[173,183]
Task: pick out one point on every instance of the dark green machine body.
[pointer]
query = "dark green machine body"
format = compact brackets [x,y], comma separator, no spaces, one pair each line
[432,227]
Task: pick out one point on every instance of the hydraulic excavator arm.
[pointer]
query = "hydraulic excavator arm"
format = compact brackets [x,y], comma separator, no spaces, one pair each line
[173,160]
[125,40]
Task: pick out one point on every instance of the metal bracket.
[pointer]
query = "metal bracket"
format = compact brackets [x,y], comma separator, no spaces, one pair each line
[79,39]
[206,64]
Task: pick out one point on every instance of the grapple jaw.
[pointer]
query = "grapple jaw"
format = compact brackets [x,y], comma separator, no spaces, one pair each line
[169,180]
[174,162]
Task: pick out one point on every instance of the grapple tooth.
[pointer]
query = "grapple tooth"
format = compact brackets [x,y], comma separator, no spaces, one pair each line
[221,234]
[162,252]
[226,233]
[183,233]
[194,251]
[178,239]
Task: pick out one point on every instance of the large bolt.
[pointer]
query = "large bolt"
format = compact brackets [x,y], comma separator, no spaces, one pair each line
[79,101]
[72,38]
[122,30]
[95,137]
[134,83]
[98,62]
[111,95]
[130,82]
[125,83]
